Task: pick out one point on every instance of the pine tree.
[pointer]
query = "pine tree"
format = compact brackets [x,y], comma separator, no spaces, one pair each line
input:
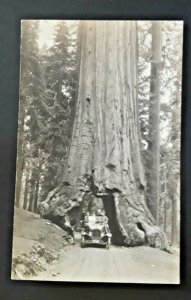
[153,153]
[30,85]
[60,69]
[170,118]
[33,113]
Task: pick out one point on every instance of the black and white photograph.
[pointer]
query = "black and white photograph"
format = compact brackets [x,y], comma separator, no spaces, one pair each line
[97,195]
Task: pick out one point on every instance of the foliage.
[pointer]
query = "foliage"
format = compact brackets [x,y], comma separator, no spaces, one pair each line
[170,99]
[47,93]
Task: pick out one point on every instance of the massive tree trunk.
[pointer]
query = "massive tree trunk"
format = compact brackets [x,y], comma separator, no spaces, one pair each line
[153,155]
[104,160]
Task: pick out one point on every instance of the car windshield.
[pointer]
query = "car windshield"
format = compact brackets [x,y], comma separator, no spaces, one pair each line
[95,219]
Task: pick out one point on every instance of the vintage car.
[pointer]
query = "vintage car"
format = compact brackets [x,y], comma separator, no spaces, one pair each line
[95,231]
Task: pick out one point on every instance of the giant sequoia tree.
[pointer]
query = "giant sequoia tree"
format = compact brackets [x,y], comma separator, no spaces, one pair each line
[104,159]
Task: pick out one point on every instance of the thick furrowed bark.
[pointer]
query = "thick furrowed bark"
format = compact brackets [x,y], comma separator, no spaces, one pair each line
[104,158]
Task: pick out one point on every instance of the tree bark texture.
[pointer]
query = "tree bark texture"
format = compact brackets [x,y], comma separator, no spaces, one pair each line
[153,169]
[104,157]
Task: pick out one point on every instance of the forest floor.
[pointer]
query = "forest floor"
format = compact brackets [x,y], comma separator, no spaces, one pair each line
[35,238]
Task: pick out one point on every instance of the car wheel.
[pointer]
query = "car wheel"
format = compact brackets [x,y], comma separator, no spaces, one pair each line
[82,242]
[107,245]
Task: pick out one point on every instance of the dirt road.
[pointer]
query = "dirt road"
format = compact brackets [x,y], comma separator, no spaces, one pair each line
[119,264]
